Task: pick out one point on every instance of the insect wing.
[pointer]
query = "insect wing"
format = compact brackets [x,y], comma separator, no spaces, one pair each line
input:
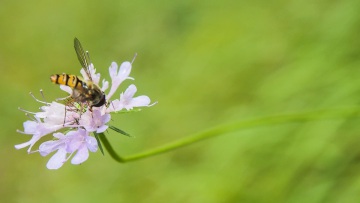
[83,57]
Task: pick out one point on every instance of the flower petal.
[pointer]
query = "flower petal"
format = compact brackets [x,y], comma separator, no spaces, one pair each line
[102,129]
[81,156]
[125,70]
[91,143]
[113,69]
[129,92]
[66,88]
[105,85]
[140,101]
[57,160]
[48,147]
[118,77]
[114,106]
[23,145]
[84,74]
[30,127]
[94,76]
[30,143]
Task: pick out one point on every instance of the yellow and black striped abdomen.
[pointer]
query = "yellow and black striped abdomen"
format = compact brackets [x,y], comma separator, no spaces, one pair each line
[65,79]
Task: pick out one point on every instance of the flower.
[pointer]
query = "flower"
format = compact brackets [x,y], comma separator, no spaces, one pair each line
[79,119]
[94,121]
[128,101]
[73,141]
[38,129]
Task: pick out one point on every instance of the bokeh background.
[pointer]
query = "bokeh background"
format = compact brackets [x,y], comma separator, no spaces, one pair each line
[207,63]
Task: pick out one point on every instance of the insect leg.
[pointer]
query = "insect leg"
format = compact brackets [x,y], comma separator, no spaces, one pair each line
[64,116]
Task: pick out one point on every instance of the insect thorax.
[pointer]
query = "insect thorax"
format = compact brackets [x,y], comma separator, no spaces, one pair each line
[89,93]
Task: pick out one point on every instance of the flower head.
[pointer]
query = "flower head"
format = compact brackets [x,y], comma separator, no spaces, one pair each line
[78,119]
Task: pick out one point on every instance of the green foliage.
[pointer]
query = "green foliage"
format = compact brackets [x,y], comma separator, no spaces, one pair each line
[207,63]
[99,143]
[119,131]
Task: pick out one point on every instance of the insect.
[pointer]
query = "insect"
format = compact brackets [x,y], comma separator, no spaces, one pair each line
[84,91]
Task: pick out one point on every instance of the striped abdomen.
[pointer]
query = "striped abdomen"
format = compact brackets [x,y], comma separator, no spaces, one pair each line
[83,91]
[69,80]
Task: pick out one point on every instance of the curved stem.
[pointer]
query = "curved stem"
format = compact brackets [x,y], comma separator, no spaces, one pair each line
[109,148]
[240,125]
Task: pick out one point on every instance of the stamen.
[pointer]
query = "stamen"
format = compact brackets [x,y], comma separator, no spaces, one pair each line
[19,131]
[133,58]
[69,156]
[26,111]
[31,94]
[43,96]
[33,151]
[153,104]
[31,118]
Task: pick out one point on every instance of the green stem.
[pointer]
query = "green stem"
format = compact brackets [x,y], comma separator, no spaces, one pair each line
[240,125]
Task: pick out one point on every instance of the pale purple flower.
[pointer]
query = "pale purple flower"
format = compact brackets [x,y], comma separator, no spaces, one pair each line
[82,143]
[59,158]
[38,129]
[79,119]
[128,101]
[74,141]
[94,121]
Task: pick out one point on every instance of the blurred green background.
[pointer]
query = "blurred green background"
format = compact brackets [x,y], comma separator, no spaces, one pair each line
[206,63]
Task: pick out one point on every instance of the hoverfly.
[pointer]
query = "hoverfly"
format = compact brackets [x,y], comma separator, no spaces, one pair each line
[84,91]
